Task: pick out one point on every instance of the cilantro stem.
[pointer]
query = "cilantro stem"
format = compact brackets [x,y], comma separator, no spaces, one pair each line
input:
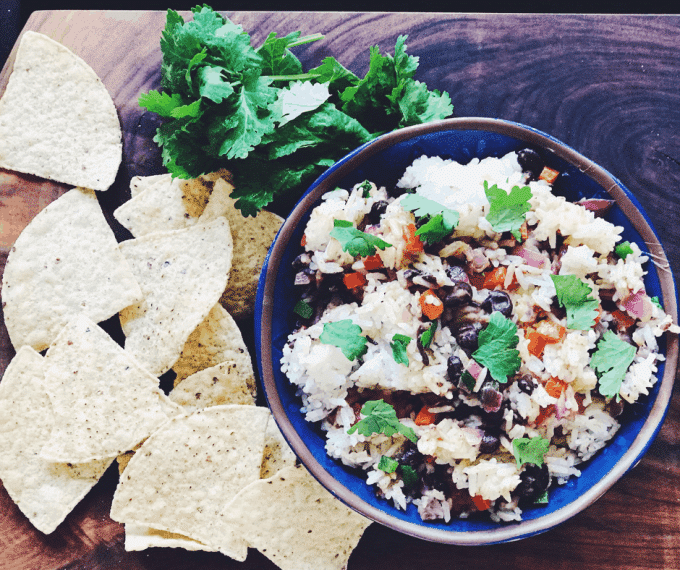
[299,77]
[306,40]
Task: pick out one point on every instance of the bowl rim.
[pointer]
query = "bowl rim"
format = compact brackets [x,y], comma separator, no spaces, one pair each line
[265,305]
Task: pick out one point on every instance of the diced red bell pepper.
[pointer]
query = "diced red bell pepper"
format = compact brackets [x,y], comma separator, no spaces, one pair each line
[425,417]
[481,503]
[353,280]
[431,305]
[372,262]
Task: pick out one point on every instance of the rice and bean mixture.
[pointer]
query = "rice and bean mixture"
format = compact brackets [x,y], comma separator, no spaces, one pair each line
[468,338]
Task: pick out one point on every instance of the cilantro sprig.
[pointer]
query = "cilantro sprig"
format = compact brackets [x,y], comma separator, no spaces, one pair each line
[530,450]
[496,348]
[258,113]
[610,361]
[354,241]
[575,296]
[428,334]
[346,336]
[507,211]
[398,345]
[381,417]
[441,221]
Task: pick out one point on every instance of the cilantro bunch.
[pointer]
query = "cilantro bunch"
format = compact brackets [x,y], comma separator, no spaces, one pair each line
[255,111]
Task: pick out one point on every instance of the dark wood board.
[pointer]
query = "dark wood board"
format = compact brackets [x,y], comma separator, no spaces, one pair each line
[607,85]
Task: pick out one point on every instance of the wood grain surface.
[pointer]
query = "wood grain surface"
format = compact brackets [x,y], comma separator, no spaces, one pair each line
[607,85]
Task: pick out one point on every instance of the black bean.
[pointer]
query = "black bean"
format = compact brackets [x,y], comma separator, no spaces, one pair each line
[526,384]
[411,457]
[454,369]
[467,335]
[460,295]
[498,301]
[530,162]
[305,277]
[409,274]
[301,261]
[456,273]
[490,443]
[490,398]
[534,481]
[377,210]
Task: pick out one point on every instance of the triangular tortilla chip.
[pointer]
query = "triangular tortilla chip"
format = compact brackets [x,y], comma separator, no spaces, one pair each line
[45,492]
[167,204]
[277,453]
[57,120]
[295,522]
[252,238]
[214,386]
[161,203]
[217,339]
[140,183]
[103,402]
[138,537]
[65,262]
[182,274]
[185,473]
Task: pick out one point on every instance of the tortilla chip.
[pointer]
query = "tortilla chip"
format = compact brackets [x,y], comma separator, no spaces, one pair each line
[277,452]
[66,262]
[295,522]
[140,183]
[252,238]
[182,477]
[138,537]
[214,386]
[217,339]
[57,120]
[182,274]
[168,204]
[45,492]
[103,402]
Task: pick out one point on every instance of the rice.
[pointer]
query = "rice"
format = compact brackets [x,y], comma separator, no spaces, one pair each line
[444,441]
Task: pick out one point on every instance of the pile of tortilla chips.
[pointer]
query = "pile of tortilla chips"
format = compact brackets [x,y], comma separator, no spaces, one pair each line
[203,467]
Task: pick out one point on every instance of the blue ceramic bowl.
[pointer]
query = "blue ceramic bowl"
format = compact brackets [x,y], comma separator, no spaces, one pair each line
[383,161]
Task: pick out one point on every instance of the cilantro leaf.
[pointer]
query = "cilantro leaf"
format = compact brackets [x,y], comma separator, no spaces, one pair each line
[507,212]
[408,475]
[303,309]
[575,296]
[442,221]
[610,361]
[531,450]
[387,464]
[354,241]
[160,103]
[496,348]
[398,345]
[656,301]
[277,57]
[427,335]
[332,72]
[300,97]
[623,249]
[366,187]
[381,417]
[346,336]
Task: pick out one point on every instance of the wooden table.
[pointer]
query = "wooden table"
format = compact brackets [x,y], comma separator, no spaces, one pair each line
[607,85]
